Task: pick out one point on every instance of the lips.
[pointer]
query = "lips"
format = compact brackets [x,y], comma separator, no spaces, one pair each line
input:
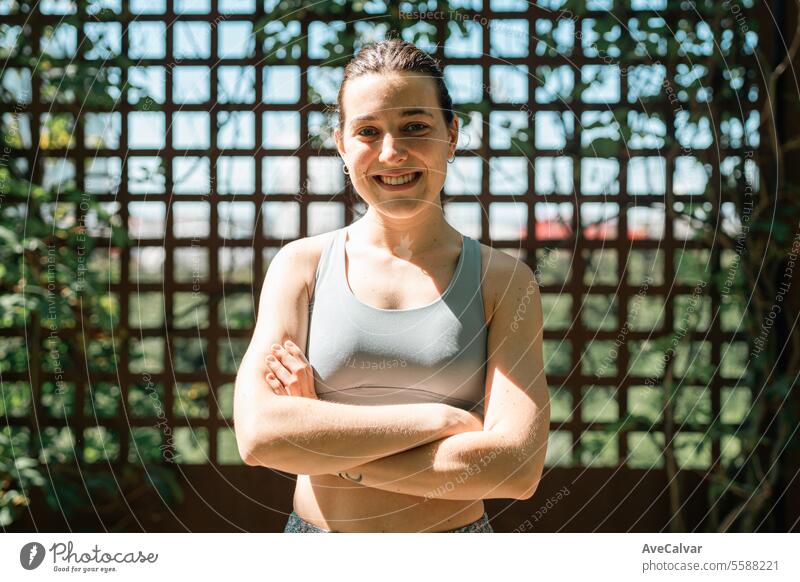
[398,179]
[401,186]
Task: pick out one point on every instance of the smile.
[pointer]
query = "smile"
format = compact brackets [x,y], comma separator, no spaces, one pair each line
[398,182]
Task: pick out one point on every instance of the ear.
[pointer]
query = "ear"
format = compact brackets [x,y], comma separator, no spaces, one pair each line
[453,134]
[337,136]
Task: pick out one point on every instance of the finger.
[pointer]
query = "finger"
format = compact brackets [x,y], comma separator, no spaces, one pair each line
[273,384]
[295,351]
[308,385]
[293,383]
[288,358]
[277,368]
[276,386]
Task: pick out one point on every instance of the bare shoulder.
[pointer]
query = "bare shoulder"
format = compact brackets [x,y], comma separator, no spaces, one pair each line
[502,276]
[303,256]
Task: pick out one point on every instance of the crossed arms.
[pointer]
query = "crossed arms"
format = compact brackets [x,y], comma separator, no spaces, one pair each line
[429,450]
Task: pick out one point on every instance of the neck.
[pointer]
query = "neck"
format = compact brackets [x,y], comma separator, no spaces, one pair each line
[416,233]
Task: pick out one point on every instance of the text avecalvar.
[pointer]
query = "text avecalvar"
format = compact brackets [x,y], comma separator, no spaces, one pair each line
[671,549]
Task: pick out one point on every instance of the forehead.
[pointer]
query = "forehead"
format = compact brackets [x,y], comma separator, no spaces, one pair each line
[387,95]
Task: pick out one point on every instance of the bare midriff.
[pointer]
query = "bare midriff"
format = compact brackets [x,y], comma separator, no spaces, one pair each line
[337,504]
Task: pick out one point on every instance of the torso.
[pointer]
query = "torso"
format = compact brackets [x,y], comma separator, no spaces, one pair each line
[333,503]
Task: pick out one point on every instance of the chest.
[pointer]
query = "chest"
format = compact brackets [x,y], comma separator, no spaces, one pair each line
[395,284]
[390,283]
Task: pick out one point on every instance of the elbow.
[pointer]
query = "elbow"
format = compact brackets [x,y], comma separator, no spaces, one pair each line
[247,451]
[256,451]
[260,423]
[246,438]
[257,440]
[249,460]
[515,488]
[248,447]
[525,489]
[528,476]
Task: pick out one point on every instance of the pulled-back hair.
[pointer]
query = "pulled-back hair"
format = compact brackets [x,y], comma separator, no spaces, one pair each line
[395,55]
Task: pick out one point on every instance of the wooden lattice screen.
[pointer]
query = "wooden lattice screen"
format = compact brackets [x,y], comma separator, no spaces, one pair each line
[203,157]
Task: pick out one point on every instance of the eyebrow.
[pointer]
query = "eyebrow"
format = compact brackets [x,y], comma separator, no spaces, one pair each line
[404,113]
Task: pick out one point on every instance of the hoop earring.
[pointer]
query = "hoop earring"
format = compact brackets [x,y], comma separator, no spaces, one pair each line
[451,160]
[344,170]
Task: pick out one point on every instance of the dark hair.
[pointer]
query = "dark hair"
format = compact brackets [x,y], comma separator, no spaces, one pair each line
[393,55]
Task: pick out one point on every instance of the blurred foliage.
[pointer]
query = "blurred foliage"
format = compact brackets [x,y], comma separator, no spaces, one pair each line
[758,416]
[19,474]
[51,287]
[82,493]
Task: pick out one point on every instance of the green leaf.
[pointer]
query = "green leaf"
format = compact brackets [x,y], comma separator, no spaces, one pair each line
[25,463]
[9,237]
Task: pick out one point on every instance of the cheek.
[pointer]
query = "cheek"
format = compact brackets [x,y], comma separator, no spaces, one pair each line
[359,162]
[363,154]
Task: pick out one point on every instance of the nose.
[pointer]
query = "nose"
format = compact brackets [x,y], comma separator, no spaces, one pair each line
[392,149]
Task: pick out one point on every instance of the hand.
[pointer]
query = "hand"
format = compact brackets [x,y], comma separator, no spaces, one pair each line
[291,374]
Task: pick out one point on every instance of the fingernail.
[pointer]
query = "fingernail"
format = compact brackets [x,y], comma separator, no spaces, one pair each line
[276,346]
[289,343]
[271,358]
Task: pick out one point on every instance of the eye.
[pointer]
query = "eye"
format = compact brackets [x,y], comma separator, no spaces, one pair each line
[419,126]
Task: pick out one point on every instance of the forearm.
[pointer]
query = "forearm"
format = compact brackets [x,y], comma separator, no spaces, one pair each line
[465,466]
[310,437]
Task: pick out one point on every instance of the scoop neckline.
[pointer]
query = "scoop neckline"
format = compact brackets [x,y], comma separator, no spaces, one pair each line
[440,299]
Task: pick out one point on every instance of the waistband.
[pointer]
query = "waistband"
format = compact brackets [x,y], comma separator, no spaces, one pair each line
[297,524]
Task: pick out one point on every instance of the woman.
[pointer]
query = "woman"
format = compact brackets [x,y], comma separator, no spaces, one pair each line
[423,389]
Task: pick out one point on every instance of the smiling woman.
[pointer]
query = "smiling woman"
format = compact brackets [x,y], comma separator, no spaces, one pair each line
[379,447]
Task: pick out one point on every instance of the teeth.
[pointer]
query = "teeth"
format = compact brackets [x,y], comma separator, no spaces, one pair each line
[396,181]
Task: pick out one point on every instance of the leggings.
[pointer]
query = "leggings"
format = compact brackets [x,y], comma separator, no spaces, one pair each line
[297,524]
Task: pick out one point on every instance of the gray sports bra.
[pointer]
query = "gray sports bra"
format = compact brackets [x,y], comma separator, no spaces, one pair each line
[367,355]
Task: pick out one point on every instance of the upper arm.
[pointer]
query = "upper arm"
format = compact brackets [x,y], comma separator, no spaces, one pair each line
[283,303]
[282,315]
[517,395]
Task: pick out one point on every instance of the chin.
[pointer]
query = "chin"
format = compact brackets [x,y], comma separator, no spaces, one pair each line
[404,207]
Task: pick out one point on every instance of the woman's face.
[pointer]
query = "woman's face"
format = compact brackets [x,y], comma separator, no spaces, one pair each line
[405,134]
